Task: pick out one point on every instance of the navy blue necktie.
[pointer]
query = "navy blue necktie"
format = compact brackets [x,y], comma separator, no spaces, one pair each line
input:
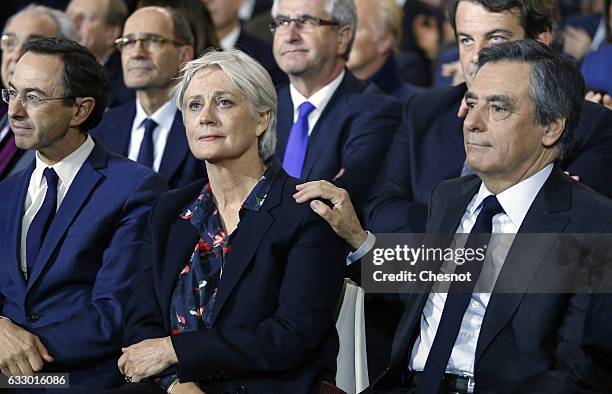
[298,142]
[457,302]
[41,222]
[145,154]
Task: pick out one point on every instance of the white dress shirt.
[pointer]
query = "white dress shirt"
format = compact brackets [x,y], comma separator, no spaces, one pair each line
[164,117]
[515,201]
[319,100]
[66,170]
[230,40]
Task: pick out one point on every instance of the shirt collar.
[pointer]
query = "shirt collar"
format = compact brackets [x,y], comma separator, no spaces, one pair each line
[515,200]
[320,98]
[230,40]
[69,166]
[164,116]
[199,209]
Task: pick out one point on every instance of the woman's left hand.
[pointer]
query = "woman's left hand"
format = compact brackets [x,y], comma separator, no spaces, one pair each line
[147,358]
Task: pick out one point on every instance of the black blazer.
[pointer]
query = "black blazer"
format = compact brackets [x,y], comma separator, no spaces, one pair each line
[273,321]
[353,132]
[428,148]
[178,166]
[528,343]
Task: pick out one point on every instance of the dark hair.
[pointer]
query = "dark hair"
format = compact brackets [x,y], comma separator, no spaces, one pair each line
[536,16]
[83,76]
[117,13]
[556,87]
[199,21]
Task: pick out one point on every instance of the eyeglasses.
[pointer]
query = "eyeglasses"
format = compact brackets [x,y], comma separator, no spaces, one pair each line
[304,23]
[150,42]
[29,100]
[9,42]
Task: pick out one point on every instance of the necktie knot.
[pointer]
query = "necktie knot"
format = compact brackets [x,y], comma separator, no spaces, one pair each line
[149,125]
[146,154]
[51,177]
[491,206]
[305,109]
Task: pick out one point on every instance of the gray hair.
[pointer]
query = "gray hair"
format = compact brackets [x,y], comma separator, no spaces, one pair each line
[248,76]
[61,19]
[341,11]
[556,87]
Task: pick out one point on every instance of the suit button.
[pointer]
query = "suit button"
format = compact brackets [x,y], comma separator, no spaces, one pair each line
[241,390]
[33,317]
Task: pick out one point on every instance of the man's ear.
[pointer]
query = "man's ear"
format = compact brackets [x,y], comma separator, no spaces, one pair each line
[344,34]
[186,54]
[385,45]
[553,132]
[85,106]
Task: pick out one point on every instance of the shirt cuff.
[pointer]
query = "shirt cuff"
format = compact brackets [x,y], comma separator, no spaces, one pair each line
[5,318]
[365,247]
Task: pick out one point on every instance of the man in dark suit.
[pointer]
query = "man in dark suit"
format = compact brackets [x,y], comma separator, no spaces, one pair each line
[377,40]
[224,14]
[71,222]
[428,147]
[331,125]
[98,24]
[156,42]
[31,22]
[524,105]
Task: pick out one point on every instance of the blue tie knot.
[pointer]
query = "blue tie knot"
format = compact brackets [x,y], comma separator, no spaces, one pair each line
[51,177]
[491,206]
[149,125]
[305,109]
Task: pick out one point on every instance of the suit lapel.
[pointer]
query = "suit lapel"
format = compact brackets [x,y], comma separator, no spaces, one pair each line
[182,238]
[252,228]
[176,148]
[117,137]
[547,214]
[83,184]
[285,121]
[327,124]
[14,236]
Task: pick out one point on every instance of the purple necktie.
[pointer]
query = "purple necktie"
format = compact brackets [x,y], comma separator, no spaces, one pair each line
[41,222]
[145,154]
[8,151]
[298,142]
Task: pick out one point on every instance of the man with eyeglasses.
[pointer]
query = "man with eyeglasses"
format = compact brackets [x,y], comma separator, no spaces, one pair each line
[331,125]
[98,24]
[156,42]
[70,224]
[228,26]
[30,23]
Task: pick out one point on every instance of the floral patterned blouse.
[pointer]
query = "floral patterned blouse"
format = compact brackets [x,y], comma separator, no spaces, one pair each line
[194,295]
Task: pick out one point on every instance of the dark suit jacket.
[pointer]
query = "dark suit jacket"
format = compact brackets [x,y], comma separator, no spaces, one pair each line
[273,321]
[528,343]
[353,132]
[74,298]
[178,166]
[261,51]
[388,79]
[119,93]
[428,148]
